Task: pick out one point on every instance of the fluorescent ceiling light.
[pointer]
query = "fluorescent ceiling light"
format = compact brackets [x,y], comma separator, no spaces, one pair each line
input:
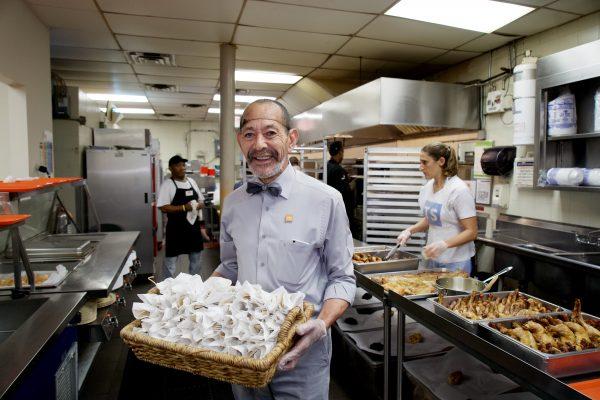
[242,75]
[239,98]
[475,15]
[127,98]
[130,110]
[215,110]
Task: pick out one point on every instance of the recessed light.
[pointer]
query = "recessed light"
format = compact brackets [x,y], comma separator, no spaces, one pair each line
[242,75]
[127,110]
[239,98]
[126,98]
[215,110]
[475,15]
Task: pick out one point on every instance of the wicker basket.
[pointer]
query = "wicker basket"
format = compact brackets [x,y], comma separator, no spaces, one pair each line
[211,364]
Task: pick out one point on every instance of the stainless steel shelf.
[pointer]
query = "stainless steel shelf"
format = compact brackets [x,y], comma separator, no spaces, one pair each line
[590,135]
[570,188]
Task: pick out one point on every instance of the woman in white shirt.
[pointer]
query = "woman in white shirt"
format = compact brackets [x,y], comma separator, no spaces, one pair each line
[449,211]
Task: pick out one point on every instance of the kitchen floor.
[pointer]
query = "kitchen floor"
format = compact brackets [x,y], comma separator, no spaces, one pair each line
[117,374]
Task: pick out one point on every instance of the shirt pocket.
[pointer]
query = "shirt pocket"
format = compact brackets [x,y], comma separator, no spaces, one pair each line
[293,264]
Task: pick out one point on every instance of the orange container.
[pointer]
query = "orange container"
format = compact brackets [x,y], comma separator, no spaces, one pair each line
[590,388]
[11,219]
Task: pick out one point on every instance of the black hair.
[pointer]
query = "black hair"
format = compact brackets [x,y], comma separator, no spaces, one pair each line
[335,148]
[284,112]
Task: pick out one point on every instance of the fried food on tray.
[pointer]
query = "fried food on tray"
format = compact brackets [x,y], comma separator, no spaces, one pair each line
[38,279]
[415,338]
[416,283]
[365,258]
[455,378]
[555,335]
[489,306]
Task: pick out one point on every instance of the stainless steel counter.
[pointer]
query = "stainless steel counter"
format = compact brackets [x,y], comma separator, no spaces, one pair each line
[28,325]
[97,275]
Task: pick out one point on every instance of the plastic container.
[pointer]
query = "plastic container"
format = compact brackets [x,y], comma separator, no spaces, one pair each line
[565,176]
[562,115]
[597,110]
[5,205]
[591,177]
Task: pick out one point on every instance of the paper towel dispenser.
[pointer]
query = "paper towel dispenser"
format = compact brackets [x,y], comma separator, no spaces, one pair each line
[498,160]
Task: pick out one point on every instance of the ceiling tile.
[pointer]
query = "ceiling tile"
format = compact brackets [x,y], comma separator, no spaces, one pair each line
[206,10]
[170,28]
[360,47]
[170,46]
[371,6]
[194,89]
[308,19]
[75,4]
[324,73]
[290,40]
[91,66]
[486,42]
[536,21]
[576,6]
[197,62]
[531,3]
[97,76]
[176,71]
[171,80]
[416,32]
[177,97]
[262,86]
[77,38]
[453,57]
[263,54]
[107,87]
[81,53]
[259,66]
[68,18]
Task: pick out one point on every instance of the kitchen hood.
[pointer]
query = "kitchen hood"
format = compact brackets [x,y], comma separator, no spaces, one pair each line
[391,109]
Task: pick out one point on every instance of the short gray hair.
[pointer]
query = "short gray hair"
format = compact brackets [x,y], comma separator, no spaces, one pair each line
[284,112]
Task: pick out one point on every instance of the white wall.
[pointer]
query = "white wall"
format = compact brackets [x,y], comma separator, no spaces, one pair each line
[581,208]
[14,151]
[25,62]
[175,135]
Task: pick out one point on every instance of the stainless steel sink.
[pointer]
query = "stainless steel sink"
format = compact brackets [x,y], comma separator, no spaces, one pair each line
[13,313]
[560,247]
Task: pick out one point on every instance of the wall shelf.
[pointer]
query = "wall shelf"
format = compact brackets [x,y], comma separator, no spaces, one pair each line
[590,135]
[571,188]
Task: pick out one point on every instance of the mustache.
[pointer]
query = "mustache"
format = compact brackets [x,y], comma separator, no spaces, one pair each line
[252,154]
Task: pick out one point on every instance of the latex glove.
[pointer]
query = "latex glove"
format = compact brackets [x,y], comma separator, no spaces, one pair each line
[311,331]
[434,250]
[199,206]
[403,237]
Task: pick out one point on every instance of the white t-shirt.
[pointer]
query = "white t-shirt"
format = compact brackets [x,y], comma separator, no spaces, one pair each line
[444,210]
[167,191]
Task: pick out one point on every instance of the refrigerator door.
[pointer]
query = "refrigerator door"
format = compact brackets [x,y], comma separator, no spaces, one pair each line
[120,182]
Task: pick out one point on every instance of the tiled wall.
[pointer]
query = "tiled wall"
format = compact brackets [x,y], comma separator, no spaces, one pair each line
[562,206]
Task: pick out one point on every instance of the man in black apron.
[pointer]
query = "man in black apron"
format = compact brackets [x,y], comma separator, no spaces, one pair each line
[179,197]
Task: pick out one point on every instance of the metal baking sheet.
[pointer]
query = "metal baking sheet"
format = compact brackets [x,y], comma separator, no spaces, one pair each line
[557,365]
[413,272]
[400,261]
[473,325]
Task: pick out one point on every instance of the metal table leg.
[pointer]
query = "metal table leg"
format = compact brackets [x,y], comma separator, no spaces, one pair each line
[19,251]
[387,348]
[400,347]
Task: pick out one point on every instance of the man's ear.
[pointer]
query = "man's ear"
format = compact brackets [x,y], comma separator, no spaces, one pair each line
[293,135]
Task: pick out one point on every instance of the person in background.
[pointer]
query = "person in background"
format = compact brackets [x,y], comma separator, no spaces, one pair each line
[286,229]
[295,163]
[449,211]
[338,178]
[179,197]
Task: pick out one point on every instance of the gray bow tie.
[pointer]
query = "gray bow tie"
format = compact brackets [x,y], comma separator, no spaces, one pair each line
[274,188]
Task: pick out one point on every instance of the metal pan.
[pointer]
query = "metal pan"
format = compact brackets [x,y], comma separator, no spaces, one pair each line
[558,365]
[413,272]
[400,261]
[454,286]
[473,325]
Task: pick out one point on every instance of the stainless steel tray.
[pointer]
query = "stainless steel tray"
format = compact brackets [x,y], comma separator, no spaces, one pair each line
[558,365]
[414,296]
[473,325]
[400,261]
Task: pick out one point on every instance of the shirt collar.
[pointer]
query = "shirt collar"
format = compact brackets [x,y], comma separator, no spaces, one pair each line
[285,180]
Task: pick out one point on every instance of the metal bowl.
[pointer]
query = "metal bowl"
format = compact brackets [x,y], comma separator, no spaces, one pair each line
[458,285]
